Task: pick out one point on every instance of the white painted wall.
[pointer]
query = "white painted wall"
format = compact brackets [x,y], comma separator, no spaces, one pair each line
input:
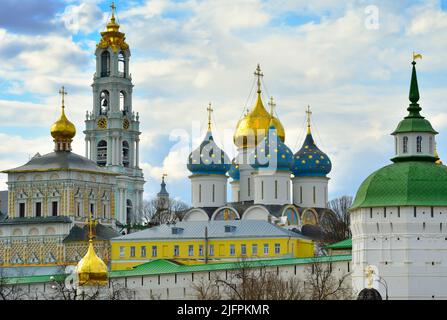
[202,187]
[272,187]
[303,191]
[246,184]
[412,150]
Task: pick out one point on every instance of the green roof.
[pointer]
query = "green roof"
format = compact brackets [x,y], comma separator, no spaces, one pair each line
[412,183]
[345,244]
[165,266]
[34,279]
[416,124]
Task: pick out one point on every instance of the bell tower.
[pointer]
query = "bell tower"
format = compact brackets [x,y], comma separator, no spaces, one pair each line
[112,127]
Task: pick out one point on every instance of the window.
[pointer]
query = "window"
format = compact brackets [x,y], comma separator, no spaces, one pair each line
[200,193]
[101,153]
[419,144]
[132,251]
[276,189]
[190,250]
[122,65]
[315,196]
[104,211]
[405,145]
[277,248]
[122,252]
[248,186]
[123,105]
[266,248]
[176,251]
[38,209]
[370,213]
[214,193]
[54,209]
[21,210]
[243,249]
[301,194]
[254,249]
[78,209]
[154,251]
[105,64]
[201,250]
[414,212]
[104,103]
[92,208]
[125,154]
[262,190]
[211,250]
[232,250]
[143,251]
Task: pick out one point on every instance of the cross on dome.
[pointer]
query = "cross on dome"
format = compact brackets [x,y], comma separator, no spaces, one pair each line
[308,114]
[63,93]
[272,105]
[259,75]
[210,111]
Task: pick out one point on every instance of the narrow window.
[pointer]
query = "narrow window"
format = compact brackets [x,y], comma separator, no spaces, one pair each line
[201,250]
[419,144]
[262,190]
[143,251]
[22,210]
[405,145]
[232,250]
[92,208]
[254,249]
[122,252]
[190,250]
[214,193]
[266,248]
[384,212]
[132,251]
[122,65]
[432,212]
[301,194]
[38,209]
[176,251]
[154,251]
[276,189]
[126,160]
[248,186]
[54,209]
[414,211]
[315,196]
[78,209]
[200,193]
[105,64]
[101,153]
[371,212]
[243,249]
[277,248]
[398,212]
[211,250]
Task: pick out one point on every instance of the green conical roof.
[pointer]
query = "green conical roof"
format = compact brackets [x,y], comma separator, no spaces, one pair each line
[414,122]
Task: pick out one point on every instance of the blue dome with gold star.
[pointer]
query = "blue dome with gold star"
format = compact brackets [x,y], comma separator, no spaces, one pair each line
[310,161]
[208,158]
[272,153]
[234,172]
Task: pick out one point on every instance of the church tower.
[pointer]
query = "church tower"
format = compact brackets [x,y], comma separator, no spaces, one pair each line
[112,128]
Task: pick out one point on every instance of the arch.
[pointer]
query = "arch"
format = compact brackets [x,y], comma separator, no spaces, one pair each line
[101,153]
[105,64]
[126,149]
[405,144]
[309,216]
[196,214]
[38,177]
[34,232]
[17,232]
[256,212]
[122,64]
[293,216]
[21,178]
[225,213]
[50,231]
[54,176]
[104,102]
[419,144]
[129,211]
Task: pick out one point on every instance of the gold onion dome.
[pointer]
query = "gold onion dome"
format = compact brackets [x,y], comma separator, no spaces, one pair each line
[112,37]
[63,129]
[91,270]
[253,127]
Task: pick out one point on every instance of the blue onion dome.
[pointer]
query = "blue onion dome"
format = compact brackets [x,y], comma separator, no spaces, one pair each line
[208,158]
[234,172]
[272,153]
[310,161]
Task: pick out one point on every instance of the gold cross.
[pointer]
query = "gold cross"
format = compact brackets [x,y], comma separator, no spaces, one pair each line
[259,74]
[210,110]
[308,113]
[272,105]
[63,93]
[113,8]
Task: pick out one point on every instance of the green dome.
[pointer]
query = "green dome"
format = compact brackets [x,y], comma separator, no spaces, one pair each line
[412,183]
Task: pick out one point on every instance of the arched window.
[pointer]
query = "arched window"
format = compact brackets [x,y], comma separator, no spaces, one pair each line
[125,154]
[129,211]
[104,102]
[101,154]
[419,144]
[123,107]
[105,64]
[122,65]
[405,145]
[430,145]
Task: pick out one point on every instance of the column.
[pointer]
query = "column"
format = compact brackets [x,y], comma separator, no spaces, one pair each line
[137,153]
[86,147]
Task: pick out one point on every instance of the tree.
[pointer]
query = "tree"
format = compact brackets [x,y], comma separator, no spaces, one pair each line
[322,284]
[9,290]
[154,215]
[335,226]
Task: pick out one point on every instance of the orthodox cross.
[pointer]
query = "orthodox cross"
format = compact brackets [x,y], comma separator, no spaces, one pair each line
[210,110]
[164,175]
[63,93]
[272,105]
[308,113]
[113,8]
[259,75]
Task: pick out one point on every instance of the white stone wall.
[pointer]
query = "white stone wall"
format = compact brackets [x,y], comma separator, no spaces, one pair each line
[235,190]
[304,189]
[246,183]
[427,147]
[408,246]
[202,187]
[272,187]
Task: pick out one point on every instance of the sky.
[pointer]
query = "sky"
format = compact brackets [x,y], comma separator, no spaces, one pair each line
[349,60]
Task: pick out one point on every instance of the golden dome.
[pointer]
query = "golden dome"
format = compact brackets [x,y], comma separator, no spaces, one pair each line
[252,128]
[91,270]
[439,161]
[112,37]
[63,129]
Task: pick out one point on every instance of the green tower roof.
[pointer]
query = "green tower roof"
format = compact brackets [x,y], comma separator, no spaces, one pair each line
[414,122]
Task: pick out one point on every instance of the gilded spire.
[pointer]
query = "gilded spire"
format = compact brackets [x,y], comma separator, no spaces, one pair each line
[210,111]
[414,107]
[112,37]
[308,114]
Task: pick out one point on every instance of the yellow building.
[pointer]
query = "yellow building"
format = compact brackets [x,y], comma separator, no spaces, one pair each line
[209,242]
